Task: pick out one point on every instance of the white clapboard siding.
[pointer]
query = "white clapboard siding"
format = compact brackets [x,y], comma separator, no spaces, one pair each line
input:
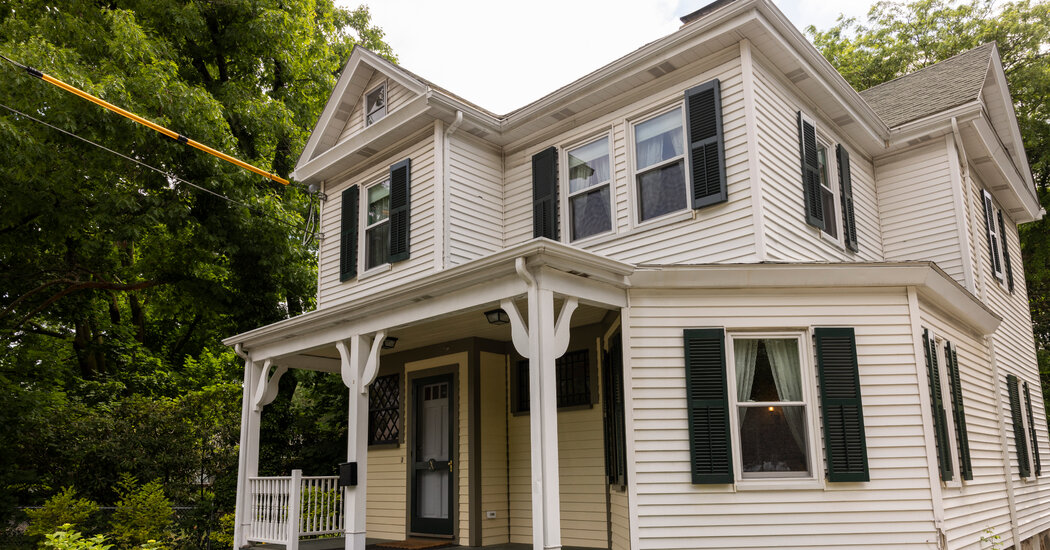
[475,199]
[971,507]
[581,463]
[893,510]
[421,226]
[386,492]
[1015,354]
[619,517]
[494,492]
[918,208]
[396,96]
[788,236]
[720,233]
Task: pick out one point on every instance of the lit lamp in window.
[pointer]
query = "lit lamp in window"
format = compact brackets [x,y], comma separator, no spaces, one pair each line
[497,317]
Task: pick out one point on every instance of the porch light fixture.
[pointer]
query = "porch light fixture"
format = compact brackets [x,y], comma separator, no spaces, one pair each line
[497,317]
[389,342]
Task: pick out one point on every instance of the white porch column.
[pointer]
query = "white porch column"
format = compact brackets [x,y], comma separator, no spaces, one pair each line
[248,457]
[543,414]
[360,362]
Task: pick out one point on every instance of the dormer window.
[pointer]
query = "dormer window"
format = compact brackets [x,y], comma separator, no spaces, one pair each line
[375,105]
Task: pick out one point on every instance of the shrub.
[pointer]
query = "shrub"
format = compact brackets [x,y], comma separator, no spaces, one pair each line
[65,538]
[62,509]
[143,514]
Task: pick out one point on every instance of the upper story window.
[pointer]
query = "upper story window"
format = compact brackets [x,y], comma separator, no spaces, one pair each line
[828,204]
[998,249]
[827,192]
[589,176]
[660,165]
[377,225]
[375,105]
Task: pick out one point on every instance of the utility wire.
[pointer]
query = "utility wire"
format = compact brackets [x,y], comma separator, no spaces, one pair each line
[158,170]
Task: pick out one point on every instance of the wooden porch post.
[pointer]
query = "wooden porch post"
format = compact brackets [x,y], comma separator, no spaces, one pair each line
[248,459]
[358,369]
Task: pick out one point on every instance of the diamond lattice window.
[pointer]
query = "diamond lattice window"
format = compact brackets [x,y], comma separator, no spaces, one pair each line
[384,410]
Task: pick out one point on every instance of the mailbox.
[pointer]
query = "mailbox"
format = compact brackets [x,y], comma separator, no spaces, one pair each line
[348,474]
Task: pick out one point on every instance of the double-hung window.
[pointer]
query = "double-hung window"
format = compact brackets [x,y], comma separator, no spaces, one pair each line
[828,203]
[998,249]
[827,191]
[589,176]
[770,411]
[659,146]
[375,105]
[377,225]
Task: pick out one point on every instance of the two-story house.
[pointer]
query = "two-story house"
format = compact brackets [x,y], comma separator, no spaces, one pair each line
[707,296]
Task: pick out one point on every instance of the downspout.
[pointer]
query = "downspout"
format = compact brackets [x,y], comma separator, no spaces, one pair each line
[443,257]
[239,350]
[960,180]
[519,266]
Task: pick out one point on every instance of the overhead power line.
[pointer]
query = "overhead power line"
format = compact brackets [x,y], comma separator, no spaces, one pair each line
[157,127]
[155,169]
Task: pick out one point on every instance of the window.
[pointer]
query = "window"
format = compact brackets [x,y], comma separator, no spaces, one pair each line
[375,105]
[771,415]
[377,225]
[998,249]
[573,380]
[827,192]
[589,175]
[660,165]
[384,410]
[1020,434]
[946,392]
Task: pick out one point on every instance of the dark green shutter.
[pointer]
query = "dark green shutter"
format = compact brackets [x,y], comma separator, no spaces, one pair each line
[545,194]
[1020,438]
[1031,430]
[807,145]
[707,153]
[849,222]
[958,411]
[708,406]
[400,186]
[989,227]
[613,408]
[348,234]
[843,414]
[940,418]
[1006,254]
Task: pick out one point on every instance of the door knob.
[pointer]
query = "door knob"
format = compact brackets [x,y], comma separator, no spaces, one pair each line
[450,465]
[431,465]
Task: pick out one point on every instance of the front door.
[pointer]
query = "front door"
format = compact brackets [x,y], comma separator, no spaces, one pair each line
[432,464]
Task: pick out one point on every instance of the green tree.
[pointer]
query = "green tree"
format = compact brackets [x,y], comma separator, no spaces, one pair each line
[902,37]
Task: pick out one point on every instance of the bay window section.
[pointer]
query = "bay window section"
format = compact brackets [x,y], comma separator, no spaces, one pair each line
[660,165]
[377,225]
[771,415]
[589,175]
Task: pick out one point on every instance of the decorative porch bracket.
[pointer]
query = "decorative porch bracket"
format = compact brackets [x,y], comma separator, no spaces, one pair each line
[520,333]
[266,391]
[359,365]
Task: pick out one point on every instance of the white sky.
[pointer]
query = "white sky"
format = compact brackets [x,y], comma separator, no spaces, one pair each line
[504,54]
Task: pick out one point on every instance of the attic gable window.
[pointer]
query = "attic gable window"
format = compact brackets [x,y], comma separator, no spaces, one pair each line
[375,105]
[589,176]
[660,165]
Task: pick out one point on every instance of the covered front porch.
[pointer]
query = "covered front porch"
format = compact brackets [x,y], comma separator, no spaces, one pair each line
[480,403]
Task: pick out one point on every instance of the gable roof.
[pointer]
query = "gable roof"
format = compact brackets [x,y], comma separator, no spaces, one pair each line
[934,89]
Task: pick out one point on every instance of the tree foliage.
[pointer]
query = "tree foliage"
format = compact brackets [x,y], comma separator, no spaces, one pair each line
[118,281]
[902,37]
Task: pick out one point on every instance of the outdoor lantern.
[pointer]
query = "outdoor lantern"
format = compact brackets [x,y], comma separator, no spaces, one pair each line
[389,342]
[497,317]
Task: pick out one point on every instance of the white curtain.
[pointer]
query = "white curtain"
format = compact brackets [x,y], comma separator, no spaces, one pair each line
[746,354]
[787,375]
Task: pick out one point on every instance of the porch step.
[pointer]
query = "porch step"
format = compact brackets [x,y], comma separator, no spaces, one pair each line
[415,544]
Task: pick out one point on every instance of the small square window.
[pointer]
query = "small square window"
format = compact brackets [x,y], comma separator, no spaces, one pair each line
[377,225]
[375,105]
[660,164]
[589,175]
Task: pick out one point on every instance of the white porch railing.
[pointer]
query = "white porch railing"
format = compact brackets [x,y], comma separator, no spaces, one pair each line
[286,509]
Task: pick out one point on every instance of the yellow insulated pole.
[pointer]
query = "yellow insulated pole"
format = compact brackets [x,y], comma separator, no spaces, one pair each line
[157,127]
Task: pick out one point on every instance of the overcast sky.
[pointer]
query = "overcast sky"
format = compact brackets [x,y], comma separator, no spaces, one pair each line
[504,54]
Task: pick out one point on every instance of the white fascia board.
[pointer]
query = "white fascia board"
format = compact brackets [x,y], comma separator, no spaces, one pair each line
[463,287]
[334,160]
[833,81]
[933,283]
[934,123]
[1024,191]
[330,108]
[1003,96]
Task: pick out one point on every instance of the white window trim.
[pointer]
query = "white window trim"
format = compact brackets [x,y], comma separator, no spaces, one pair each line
[634,196]
[832,164]
[565,199]
[1032,477]
[362,239]
[993,233]
[386,100]
[815,478]
[949,410]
